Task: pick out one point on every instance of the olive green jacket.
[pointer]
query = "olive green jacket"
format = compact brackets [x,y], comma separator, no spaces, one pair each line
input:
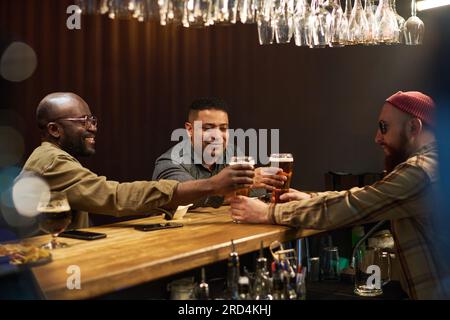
[88,192]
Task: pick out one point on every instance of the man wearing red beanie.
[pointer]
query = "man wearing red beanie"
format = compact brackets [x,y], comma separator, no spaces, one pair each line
[405,125]
[404,196]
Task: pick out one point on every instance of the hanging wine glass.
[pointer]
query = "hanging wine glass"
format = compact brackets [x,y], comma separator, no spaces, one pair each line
[163,8]
[320,24]
[358,26]
[221,11]
[232,11]
[345,21]
[151,10]
[302,30]
[196,13]
[213,12]
[291,11]
[185,14]
[88,6]
[337,35]
[386,22]
[266,31]
[225,11]
[414,27]
[371,22]
[121,9]
[139,11]
[246,10]
[400,23]
[104,6]
[172,11]
[282,20]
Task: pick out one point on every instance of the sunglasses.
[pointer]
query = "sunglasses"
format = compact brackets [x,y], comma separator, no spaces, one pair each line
[383,126]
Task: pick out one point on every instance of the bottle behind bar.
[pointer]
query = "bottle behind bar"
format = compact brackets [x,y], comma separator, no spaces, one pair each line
[278,283]
[289,280]
[233,274]
[244,288]
[203,288]
[289,286]
[262,280]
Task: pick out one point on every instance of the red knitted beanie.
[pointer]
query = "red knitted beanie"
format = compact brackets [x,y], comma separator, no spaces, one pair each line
[414,103]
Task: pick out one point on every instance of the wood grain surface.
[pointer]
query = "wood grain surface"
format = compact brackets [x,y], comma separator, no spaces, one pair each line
[128,257]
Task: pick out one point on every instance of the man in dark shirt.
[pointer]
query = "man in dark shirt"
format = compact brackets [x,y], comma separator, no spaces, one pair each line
[206,152]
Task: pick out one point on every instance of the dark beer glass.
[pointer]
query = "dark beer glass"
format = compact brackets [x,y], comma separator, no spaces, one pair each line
[284,161]
[54,217]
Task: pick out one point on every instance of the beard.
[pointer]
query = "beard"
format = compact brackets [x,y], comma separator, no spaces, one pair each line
[79,147]
[396,156]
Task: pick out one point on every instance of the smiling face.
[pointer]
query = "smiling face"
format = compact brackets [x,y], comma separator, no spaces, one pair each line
[78,136]
[66,126]
[396,141]
[210,127]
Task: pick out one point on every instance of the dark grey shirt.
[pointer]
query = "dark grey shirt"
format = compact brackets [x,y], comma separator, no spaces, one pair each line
[181,163]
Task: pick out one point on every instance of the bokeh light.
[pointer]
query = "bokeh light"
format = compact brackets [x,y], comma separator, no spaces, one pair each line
[12,146]
[13,224]
[27,192]
[7,176]
[10,214]
[18,62]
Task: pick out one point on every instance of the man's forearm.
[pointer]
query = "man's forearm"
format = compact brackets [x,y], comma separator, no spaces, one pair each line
[189,191]
[226,181]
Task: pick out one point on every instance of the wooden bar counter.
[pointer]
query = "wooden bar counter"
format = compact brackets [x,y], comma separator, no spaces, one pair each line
[128,257]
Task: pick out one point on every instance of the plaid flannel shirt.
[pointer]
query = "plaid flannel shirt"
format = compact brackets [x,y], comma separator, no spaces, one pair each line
[405,196]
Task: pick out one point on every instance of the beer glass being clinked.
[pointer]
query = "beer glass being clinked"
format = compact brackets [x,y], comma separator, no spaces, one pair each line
[284,161]
[242,160]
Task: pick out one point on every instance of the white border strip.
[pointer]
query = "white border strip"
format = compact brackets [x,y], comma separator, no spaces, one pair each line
[431,4]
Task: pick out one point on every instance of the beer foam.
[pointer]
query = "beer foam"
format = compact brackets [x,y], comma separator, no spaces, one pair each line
[54,209]
[273,159]
[252,162]
[269,171]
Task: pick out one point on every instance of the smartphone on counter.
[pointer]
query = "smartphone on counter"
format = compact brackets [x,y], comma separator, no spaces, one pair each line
[157,226]
[83,235]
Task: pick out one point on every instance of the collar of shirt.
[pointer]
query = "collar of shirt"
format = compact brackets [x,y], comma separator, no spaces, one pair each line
[432,146]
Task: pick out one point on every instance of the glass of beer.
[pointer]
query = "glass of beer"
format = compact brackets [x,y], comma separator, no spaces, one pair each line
[284,161]
[242,160]
[372,272]
[54,217]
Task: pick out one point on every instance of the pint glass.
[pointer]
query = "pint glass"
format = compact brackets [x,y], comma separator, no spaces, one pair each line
[284,161]
[372,272]
[242,160]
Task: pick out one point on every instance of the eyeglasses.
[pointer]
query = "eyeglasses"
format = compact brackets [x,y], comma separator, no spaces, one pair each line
[87,121]
[383,126]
